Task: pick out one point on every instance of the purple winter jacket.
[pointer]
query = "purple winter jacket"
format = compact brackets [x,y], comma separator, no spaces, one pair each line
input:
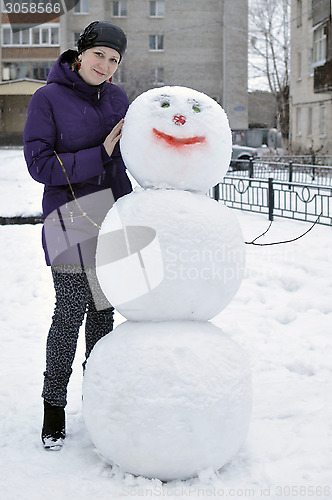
[71,118]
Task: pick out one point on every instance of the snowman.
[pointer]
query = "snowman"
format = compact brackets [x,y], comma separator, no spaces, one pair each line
[167,394]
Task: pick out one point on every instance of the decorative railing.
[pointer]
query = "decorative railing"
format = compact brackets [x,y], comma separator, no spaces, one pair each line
[305,159]
[282,171]
[277,198]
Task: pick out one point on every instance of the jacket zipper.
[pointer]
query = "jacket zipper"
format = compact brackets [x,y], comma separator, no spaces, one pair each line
[101,118]
[99,113]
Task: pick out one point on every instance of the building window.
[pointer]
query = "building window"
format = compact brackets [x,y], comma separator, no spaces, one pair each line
[299,66]
[37,70]
[157,9]
[25,38]
[156,42]
[310,122]
[299,13]
[45,35]
[322,121]
[320,40]
[298,121]
[35,36]
[6,35]
[82,7]
[54,36]
[157,76]
[119,9]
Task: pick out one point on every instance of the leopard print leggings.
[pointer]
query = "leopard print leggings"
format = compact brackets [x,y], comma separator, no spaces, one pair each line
[77,293]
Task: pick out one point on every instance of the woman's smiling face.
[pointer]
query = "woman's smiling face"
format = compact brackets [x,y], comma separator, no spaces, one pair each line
[98,64]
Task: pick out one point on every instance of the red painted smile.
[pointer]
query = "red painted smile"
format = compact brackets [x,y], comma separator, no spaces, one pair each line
[178,142]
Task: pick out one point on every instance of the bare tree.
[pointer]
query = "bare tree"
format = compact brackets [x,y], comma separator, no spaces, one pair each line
[269,22]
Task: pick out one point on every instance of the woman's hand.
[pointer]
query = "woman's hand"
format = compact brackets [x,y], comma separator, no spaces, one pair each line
[113,137]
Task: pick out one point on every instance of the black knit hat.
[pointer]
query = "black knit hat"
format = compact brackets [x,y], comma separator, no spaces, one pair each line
[102,34]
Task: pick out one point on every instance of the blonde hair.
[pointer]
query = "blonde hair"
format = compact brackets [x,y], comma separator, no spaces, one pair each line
[75,65]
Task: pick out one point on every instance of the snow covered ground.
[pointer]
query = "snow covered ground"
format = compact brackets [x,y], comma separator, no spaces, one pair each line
[19,193]
[282,317]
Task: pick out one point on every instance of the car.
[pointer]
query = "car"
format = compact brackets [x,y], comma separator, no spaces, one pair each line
[241,156]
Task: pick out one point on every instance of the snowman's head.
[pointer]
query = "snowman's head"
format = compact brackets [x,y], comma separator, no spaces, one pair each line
[176,137]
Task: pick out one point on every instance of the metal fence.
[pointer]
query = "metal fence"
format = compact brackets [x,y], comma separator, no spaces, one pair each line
[308,159]
[282,171]
[281,195]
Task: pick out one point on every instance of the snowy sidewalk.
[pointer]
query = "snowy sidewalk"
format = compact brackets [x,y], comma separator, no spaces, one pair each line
[20,195]
[282,316]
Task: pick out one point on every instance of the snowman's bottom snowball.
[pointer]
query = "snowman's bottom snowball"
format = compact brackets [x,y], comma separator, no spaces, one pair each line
[167,400]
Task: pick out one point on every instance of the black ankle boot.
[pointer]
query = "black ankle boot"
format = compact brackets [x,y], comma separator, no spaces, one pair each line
[54,426]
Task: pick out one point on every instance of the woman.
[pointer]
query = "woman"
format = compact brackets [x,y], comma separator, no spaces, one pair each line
[71,146]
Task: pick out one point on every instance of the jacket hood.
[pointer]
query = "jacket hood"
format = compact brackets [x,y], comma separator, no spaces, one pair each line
[62,74]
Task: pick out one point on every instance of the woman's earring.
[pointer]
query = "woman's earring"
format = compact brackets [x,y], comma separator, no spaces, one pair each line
[79,65]
[110,80]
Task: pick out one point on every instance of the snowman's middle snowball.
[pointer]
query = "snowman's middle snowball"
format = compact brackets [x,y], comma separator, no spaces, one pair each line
[172,255]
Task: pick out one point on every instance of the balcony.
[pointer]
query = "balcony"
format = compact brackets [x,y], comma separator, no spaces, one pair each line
[323,78]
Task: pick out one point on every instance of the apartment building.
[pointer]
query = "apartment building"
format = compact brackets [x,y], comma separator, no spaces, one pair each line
[311,76]
[200,44]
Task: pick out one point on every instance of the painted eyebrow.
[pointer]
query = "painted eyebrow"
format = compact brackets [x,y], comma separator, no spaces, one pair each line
[162,96]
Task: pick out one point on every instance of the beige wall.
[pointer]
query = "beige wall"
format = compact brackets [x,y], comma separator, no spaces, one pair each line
[262,109]
[193,47]
[236,36]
